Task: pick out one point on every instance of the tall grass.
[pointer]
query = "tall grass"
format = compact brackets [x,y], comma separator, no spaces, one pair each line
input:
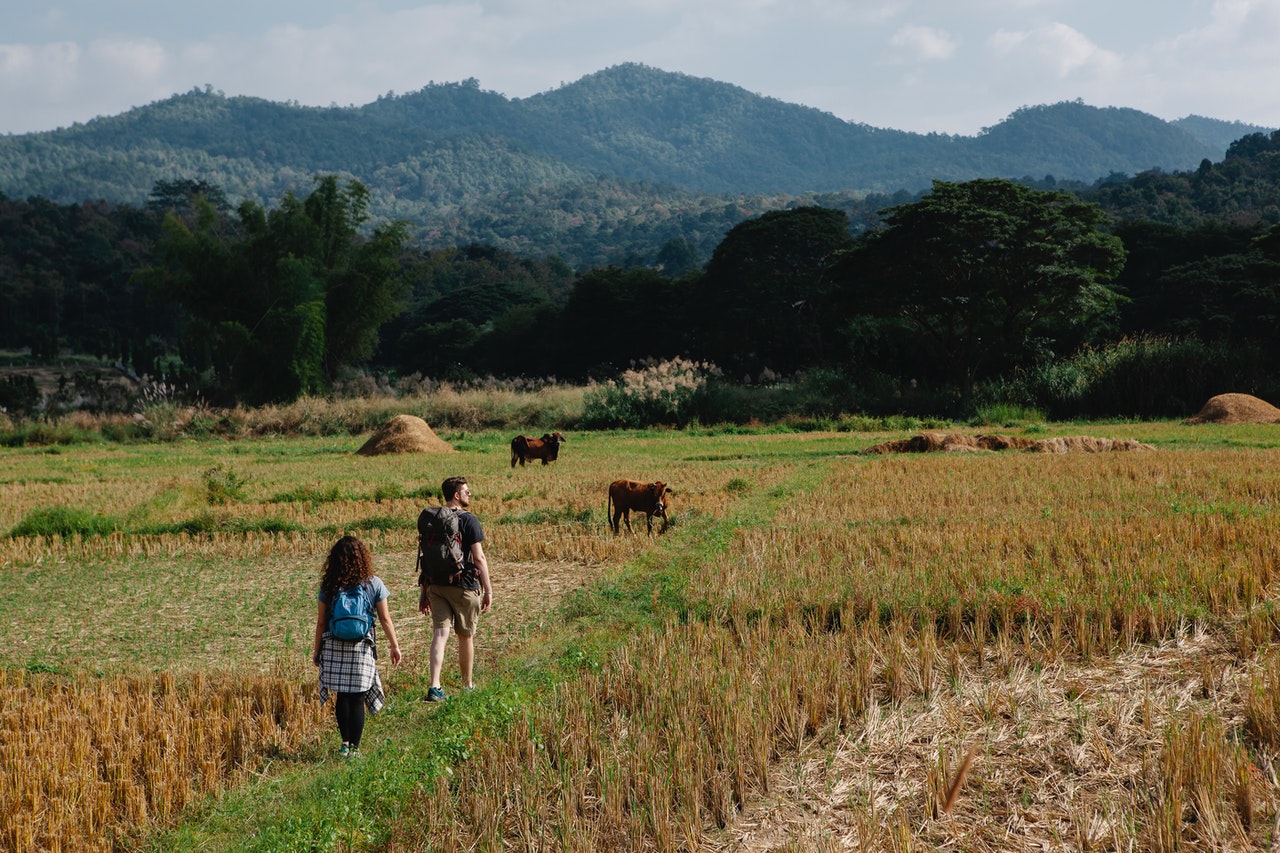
[444,407]
[87,763]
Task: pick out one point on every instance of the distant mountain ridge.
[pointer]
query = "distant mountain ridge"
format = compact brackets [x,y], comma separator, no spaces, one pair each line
[454,151]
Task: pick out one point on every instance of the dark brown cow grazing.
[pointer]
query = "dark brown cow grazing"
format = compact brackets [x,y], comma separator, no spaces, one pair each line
[547,448]
[649,498]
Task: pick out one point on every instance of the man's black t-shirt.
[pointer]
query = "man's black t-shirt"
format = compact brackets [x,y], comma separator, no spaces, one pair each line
[469,527]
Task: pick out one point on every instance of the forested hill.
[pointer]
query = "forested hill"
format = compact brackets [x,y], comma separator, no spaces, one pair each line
[424,153]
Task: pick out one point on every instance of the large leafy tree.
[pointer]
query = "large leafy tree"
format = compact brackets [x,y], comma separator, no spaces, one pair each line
[614,317]
[764,300]
[987,275]
[280,301]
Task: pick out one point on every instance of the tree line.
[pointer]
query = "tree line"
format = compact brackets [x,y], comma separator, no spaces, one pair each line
[976,291]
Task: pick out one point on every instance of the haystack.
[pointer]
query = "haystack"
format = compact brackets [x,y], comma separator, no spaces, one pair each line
[404,434]
[1236,409]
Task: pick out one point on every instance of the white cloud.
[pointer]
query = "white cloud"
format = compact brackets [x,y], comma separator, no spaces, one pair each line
[915,43]
[1233,26]
[144,58]
[1060,48]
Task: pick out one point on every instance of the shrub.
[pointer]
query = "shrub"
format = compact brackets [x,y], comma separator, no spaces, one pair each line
[1006,415]
[663,392]
[44,434]
[1148,376]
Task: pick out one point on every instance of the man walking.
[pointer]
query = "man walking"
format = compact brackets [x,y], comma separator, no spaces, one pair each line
[458,604]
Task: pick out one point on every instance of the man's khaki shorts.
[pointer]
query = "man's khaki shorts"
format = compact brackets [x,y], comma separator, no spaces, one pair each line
[455,606]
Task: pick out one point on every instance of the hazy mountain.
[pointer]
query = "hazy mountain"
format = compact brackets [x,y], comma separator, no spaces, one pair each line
[1217,133]
[627,143]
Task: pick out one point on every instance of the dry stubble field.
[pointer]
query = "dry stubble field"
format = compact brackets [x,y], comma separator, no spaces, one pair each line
[1001,652]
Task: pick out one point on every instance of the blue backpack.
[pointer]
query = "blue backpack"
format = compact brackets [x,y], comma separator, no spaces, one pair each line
[349,613]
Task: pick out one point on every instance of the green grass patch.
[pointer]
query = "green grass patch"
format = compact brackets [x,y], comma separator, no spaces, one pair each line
[551,515]
[312,494]
[206,522]
[42,434]
[380,523]
[65,521]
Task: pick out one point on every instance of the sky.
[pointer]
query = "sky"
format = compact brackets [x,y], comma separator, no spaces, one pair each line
[950,66]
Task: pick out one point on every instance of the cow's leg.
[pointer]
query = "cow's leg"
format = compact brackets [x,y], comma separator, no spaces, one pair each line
[514,457]
[544,460]
[613,522]
[649,520]
[626,516]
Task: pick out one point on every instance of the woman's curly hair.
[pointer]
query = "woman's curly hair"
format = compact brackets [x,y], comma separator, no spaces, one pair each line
[349,563]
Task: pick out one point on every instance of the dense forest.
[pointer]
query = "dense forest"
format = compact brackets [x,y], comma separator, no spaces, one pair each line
[1128,296]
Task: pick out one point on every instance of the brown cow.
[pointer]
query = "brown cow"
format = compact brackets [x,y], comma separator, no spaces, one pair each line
[649,498]
[547,448]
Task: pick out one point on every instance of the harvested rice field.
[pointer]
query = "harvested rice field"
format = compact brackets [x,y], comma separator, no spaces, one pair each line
[831,649]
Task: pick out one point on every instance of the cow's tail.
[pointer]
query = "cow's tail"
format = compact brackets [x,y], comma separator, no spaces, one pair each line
[608,510]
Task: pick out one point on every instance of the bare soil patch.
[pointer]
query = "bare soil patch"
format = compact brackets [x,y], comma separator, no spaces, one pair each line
[525,596]
[1236,409]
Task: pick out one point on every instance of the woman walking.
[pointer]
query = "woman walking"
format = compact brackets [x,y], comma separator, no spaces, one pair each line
[345,648]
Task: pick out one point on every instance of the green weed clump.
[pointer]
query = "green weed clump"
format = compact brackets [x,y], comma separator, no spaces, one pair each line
[207,523]
[223,485]
[66,521]
[380,523]
[312,494]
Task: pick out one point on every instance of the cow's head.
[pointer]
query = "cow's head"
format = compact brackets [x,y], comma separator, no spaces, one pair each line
[659,492]
[552,438]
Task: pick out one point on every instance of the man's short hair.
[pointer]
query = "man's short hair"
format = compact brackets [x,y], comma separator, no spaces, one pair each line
[450,487]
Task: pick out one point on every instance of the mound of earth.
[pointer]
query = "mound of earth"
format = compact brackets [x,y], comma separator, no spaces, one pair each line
[932,442]
[404,434]
[1236,409]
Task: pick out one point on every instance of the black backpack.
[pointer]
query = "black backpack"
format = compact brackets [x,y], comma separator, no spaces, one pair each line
[440,558]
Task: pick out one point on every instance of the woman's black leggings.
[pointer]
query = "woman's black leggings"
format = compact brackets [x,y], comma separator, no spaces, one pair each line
[349,709]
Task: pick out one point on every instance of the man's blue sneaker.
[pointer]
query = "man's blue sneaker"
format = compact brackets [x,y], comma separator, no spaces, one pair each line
[435,694]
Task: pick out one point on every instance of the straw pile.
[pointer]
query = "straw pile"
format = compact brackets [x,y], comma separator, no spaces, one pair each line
[1236,409]
[1086,444]
[934,442]
[404,434]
